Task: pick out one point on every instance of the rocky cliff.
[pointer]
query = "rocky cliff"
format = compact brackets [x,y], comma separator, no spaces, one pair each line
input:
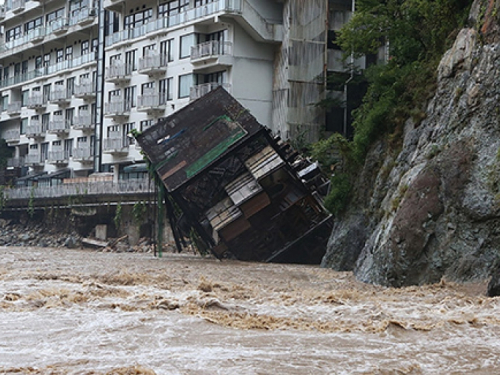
[432,209]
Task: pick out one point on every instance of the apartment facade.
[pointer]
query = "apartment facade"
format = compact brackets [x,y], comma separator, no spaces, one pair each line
[77,76]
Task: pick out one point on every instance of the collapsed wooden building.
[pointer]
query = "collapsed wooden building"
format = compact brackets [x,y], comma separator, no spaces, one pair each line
[233,187]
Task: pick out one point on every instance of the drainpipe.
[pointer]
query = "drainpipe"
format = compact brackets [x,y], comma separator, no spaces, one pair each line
[99,113]
[349,79]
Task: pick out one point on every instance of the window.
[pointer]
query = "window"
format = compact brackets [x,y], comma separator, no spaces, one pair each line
[113,129]
[24,125]
[85,47]
[58,113]
[6,72]
[166,89]
[38,62]
[187,41]
[185,84]
[46,93]
[45,122]
[24,98]
[127,128]
[53,16]
[56,143]
[95,44]
[148,50]
[166,49]
[46,59]
[24,66]
[70,87]
[33,24]
[76,6]
[114,95]
[44,151]
[146,124]
[83,109]
[69,53]
[199,3]
[114,59]
[59,55]
[14,33]
[70,116]
[130,60]
[147,88]
[68,148]
[137,19]
[172,8]
[130,97]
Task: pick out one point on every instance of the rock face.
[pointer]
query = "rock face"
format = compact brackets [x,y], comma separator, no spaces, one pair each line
[434,209]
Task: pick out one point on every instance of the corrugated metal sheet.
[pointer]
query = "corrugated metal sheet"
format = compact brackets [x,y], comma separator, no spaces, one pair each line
[263,163]
[243,188]
[223,214]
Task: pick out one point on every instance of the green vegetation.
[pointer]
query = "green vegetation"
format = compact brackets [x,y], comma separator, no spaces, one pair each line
[139,211]
[118,216]
[418,33]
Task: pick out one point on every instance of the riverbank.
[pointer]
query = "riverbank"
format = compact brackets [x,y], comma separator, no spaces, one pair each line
[73,311]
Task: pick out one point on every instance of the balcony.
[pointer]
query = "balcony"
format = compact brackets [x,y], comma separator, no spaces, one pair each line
[199,90]
[151,102]
[36,101]
[36,35]
[120,108]
[153,64]
[83,154]
[85,90]
[12,136]
[59,125]
[212,53]
[18,6]
[84,121]
[33,160]
[34,130]
[16,162]
[59,26]
[14,108]
[114,5]
[58,157]
[118,72]
[2,12]
[84,17]
[60,95]
[115,144]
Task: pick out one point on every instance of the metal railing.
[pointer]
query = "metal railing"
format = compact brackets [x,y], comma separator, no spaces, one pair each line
[14,108]
[118,71]
[115,144]
[153,62]
[132,186]
[12,135]
[59,125]
[58,156]
[15,162]
[48,70]
[117,108]
[33,159]
[34,129]
[84,89]
[83,121]
[85,15]
[36,101]
[232,6]
[59,94]
[83,154]
[199,90]
[212,48]
[152,100]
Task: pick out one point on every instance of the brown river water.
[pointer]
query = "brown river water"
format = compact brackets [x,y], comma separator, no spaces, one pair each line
[86,312]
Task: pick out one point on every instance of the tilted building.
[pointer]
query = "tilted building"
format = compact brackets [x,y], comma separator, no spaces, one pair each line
[76,76]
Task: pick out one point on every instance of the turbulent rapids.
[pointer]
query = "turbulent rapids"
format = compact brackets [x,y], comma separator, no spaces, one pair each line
[85,312]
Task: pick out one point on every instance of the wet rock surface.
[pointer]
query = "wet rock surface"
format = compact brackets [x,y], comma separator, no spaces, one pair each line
[433,209]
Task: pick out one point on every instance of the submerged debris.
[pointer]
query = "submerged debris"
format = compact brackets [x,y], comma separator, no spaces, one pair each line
[235,190]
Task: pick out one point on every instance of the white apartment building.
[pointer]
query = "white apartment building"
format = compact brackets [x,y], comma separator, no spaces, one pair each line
[76,76]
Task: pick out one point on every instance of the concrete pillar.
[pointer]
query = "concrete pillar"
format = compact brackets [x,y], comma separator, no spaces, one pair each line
[116,173]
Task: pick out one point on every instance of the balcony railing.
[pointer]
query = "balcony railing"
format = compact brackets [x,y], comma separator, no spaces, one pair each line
[41,72]
[12,135]
[118,72]
[211,49]
[152,101]
[117,108]
[199,90]
[59,125]
[58,157]
[86,89]
[18,6]
[232,6]
[83,154]
[84,121]
[14,108]
[132,186]
[34,130]
[83,17]
[153,63]
[33,160]
[36,101]
[60,95]
[15,162]
[115,145]
[58,26]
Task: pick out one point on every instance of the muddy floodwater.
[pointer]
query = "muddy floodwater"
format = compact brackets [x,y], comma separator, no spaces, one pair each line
[86,312]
